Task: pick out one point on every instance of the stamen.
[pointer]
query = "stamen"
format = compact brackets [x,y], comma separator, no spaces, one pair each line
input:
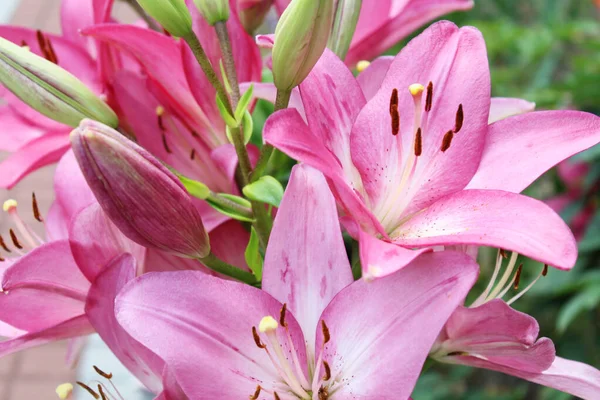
[193,154]
[102,392]
[1,260]
[394,100]
[394,112]
[416,89]
[323,393]
[282,315]
[459,119]
[418,143]
[362,65]
[447,141]
[503,253]
[267,324]
[518,277]
[88,389]
[257,340]
[102,373]
[509,268]
[3,244]
[165,144]
[46,47]
[276,396]
[256,393]
[14,239]
[518,296]
[326,335]
[429,98]
[327,371]
[545,270]
[30,237]
[36,210]
[64,391]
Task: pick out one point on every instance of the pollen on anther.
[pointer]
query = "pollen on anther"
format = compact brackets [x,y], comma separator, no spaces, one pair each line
[325,329]
[257,340]
[418,143]
[101,391]
[89,390]
[327,375]
[102,373]
[165,143]
[429,98]
[447,141]
[394,101]
[3,244]
[518,277]
[267,324]
[460,117]
[15,240]
[36,210]
[282,315]
[256,393]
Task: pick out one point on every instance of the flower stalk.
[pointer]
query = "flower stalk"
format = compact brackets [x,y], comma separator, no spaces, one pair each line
[220,266]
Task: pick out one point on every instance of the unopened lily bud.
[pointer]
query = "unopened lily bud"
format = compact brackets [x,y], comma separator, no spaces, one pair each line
[173,15]
[253,12]
[300,39]
[141,196]
[344,25]
[49,89]
[213,11]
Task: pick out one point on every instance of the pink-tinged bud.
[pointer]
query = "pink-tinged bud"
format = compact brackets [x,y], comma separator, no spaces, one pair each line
[141,196]
[252,13]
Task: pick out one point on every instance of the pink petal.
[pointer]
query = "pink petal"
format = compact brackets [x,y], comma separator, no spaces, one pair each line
[493,218]
[74,16]
[455,61]
[228,241]
[100,309]
[370,79]
[267,91]
[521,148]
[76,326]
[306,263]
[225,159]
[206,331]
[382,24]
[16,132]
[37,297]
[380,258]
[372,327]
[504,107]
[496,334]
[572,377]
[39,152]
[93,249]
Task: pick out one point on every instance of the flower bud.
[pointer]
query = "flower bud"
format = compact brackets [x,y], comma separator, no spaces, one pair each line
[344,25]
[213,11]
[140,195]
[300,39]
[253,12]
[49,89]
[173,15]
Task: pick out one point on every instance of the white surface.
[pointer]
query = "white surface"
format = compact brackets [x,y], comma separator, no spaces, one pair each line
[7,10]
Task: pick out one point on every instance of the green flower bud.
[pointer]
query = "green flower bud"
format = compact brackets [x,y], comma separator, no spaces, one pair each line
[173,15]
[213,10]
[300,39]
[344,25]
[49,89]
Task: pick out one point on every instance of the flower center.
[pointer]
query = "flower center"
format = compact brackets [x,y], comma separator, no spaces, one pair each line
[23,237]
[294,383]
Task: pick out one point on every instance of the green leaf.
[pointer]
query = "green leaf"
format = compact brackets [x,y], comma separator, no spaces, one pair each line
[587,299]
[248,125]
[231,212]
[244,103]
[224,75]
[266,190]
[253,257]
[228,118]
[195,188]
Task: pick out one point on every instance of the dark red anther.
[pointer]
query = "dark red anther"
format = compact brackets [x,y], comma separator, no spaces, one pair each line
[325,329]
[193,154]
[257,340]
[276,396]
[447,141]
[545,270]
[518,277]
[418,143]
[256,393]
[282,315]
[460,117]
[101,391]
[102,373]
[161,123]
[429,98]
[503,253]
[36,210]
[394,101]
[15,240]
[327,375]
[323,393]
[88,389]
[3,244]
[46,47]
[165,144]
[395,122]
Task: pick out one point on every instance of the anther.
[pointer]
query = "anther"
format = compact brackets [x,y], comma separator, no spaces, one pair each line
[545,270]
[102,373]
[362,65]
[282,315]
[195,134]
[325,329]
[418,143]
[518,277]
[503,253]
[165,144]
[161,123]
[257,340]
[460,117]
[394,100]
[3,244]
[36,210]
[323,393]
[14,239]
[88,389]
[46,47]
[2,259]
[193,154]
[327,371]
[276,396]
[395,121]
[429,98]
[102,392]
[447,141]
[256,393]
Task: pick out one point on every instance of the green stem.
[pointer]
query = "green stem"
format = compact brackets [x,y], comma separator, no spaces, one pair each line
[281,102]
[220,266]
[152,24]
[228,204]
[229,62]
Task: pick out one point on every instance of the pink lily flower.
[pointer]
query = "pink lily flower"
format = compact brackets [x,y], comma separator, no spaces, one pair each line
[302,335]
[34,140]
[383,23]
[495,336]
[420,167]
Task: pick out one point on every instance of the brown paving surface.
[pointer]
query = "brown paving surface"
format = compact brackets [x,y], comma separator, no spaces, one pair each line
[34,374]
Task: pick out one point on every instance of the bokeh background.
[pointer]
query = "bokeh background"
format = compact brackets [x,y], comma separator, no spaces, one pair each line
[546,51]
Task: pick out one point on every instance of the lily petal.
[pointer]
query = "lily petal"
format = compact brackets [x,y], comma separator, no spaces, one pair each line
[368,340]
[493,218]
[307,275]
[16,132]
[370,79]
[521,148]
[504,107]
[212,354]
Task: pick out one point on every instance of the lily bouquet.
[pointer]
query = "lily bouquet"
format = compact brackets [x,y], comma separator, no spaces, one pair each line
[173,238]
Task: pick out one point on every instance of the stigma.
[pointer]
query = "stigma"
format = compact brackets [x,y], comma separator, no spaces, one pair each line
[362,65]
